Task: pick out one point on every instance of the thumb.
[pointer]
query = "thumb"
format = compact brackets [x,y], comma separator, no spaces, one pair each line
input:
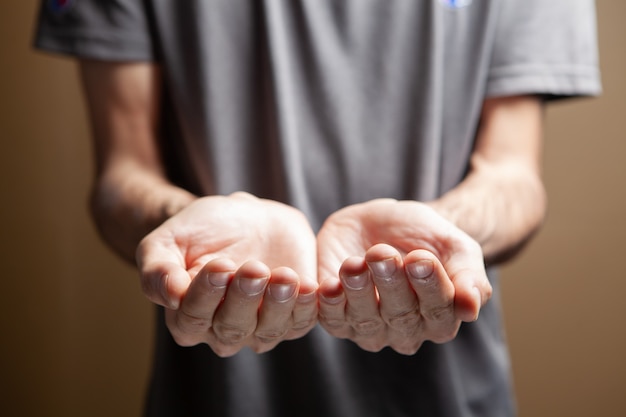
[164,278]
[472,287]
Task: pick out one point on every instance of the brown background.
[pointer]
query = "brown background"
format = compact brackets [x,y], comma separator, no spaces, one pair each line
[76,330]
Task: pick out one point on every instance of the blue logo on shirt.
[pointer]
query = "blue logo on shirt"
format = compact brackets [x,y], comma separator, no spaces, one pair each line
[456,4]
[59,6]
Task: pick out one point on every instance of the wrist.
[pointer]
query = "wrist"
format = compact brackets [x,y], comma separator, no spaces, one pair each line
[501,212]
[126,208]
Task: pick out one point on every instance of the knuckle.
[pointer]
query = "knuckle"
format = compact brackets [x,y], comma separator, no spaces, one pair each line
[182,337]
[332,323]
[337,328]
[303,325]
[189,323]
[439,313]
[367,327]
[404,320]
[230,335]
[270,336]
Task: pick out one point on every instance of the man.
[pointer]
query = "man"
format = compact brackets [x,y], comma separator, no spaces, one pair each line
[277,164]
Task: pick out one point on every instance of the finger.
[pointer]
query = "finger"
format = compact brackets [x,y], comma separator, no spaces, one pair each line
[237,316]
[435,293]
[275,316]
[205,293]
[332,305]
[305,310]
[398,302]
[164,279]
[466,269]
[361,299]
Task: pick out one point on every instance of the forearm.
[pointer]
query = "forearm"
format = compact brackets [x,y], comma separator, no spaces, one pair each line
[500,208]
[127,202]
[131,194]
[502,201]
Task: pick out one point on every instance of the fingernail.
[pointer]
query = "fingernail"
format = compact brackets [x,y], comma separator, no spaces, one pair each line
[306,298]
[421,269]
[282,292]
[219,279]
[384,269]
[355,282]
[252,286]
[479,301]
[171,302]
[333,300]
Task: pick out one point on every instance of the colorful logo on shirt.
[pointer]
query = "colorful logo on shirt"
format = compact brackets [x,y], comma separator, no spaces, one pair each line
[59,6]
[456,4]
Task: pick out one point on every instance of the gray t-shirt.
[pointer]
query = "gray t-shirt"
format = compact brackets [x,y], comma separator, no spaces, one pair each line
[321,104]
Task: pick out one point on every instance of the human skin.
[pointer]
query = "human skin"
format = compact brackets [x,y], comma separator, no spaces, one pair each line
[227,286]
[434,249]
[210,250]
[418,284]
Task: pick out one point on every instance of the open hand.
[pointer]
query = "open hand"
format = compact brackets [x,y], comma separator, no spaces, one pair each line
[232,271]
[395,273]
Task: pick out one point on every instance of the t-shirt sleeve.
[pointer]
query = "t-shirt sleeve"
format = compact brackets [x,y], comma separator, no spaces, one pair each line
[114,30]
[545,47]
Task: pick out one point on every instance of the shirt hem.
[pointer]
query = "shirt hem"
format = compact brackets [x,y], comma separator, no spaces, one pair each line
[554,81]
[95,46]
